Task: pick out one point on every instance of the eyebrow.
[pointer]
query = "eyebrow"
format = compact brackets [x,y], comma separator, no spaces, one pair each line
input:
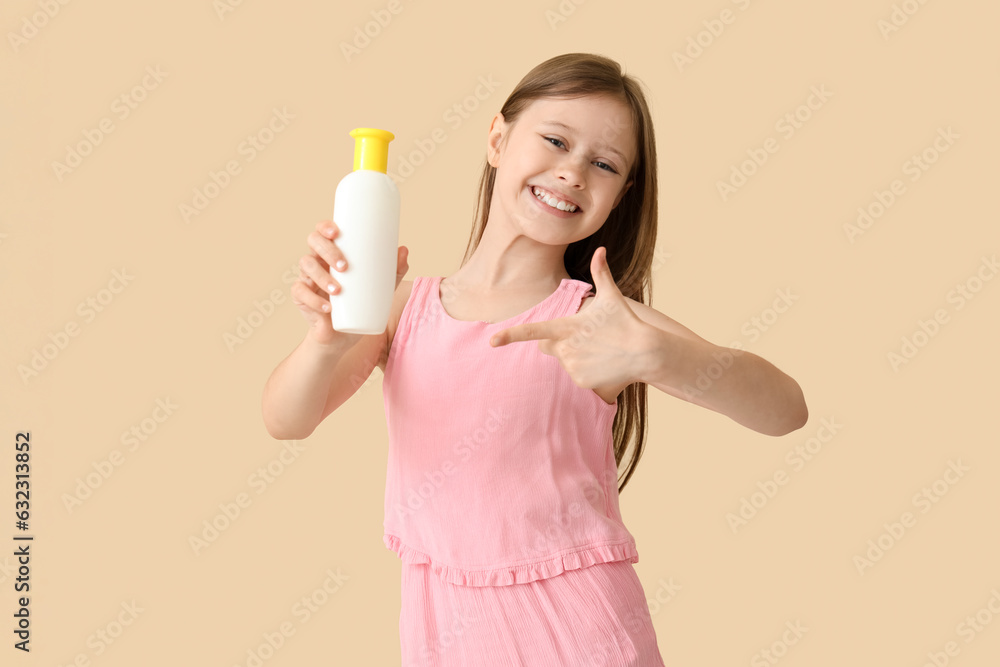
[608,146]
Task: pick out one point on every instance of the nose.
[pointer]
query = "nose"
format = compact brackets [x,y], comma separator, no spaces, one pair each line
[570,171]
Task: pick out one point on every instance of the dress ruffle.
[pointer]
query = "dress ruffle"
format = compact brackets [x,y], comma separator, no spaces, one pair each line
[517,574]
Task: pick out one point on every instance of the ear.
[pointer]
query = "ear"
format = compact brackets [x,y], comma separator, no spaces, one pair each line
[498,129]
[622,194]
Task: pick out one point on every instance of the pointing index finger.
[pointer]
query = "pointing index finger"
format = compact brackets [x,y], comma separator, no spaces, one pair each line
[523,332]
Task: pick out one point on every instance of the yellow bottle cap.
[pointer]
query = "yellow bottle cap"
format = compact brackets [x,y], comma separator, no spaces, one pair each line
[371,148]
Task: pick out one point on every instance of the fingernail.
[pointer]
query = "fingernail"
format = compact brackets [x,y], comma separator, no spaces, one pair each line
[341,264]
[326,307]
[329,288]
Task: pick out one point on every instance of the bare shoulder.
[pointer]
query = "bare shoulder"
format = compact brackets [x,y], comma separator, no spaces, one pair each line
[654,317]
[399,299]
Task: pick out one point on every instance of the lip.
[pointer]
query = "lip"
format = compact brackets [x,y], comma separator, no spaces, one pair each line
[553,211]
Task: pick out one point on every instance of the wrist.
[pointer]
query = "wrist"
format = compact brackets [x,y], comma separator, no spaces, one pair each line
[651,353]
[333,347]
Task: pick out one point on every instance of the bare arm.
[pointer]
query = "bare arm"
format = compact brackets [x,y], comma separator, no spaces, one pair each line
[739,384]
[313,381]
[328,366]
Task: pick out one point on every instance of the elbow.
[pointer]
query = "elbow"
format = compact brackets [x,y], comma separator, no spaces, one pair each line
[282,430]
[799,419]
[798,413]
[275,431]
[789,414]
[279,432]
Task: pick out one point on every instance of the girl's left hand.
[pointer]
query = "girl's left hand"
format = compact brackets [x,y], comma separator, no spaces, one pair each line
[599,346]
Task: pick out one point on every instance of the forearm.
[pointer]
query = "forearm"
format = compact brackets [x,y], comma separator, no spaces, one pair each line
[739,384]
[297,390]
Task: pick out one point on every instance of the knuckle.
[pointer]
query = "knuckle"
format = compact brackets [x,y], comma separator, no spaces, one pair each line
[317,243]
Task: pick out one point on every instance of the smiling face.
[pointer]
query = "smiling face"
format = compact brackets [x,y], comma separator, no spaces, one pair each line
[576,153]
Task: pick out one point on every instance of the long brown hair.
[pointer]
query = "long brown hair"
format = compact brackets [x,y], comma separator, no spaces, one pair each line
[628,234]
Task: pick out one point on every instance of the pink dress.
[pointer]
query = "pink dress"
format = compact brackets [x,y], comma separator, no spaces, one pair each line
[501,499]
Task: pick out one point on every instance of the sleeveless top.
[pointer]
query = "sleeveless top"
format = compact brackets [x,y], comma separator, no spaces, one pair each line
[500,469]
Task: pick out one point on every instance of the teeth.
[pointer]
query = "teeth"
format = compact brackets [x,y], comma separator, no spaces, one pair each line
[552,201]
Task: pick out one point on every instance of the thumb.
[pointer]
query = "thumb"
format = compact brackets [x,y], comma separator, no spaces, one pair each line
[604,282]
[402,265]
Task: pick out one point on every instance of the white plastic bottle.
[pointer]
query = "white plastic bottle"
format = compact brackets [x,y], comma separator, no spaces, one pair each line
[366,210]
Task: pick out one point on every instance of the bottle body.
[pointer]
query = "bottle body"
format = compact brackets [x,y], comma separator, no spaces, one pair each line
[366,210]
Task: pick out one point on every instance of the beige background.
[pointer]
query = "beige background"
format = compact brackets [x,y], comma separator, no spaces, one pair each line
[163,336]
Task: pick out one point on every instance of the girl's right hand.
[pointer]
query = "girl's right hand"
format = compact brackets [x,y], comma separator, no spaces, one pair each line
[310,291]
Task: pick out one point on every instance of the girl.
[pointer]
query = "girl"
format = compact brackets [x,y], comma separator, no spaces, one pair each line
[501,490]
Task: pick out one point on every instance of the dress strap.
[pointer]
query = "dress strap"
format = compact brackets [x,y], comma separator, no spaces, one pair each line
[579,290]
[414,311]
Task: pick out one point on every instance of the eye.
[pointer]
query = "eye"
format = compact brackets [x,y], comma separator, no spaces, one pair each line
[609,167]
[555,141]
